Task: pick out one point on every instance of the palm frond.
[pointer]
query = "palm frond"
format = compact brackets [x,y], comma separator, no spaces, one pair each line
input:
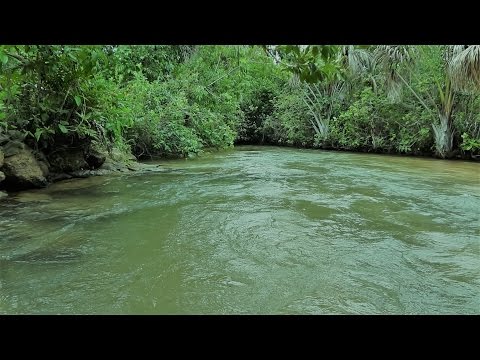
[394,89]
[294,80]
[464,67]
[394,55]
[356,59]
[394,59]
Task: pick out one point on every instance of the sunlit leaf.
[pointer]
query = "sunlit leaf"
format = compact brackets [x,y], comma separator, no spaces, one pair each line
[38,134]
[62,128]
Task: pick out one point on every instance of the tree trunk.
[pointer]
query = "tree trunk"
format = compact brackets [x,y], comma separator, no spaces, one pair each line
[443,136]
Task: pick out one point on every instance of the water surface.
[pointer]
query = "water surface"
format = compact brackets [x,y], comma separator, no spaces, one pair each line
[257,230]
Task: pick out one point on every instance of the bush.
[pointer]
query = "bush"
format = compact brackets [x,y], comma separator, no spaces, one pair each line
[256,109]
[372,123]
[466,122]
[173,119]
[46,93]
[289,123]
[154,62]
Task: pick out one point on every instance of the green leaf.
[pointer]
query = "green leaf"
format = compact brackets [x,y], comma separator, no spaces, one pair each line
[78,100]
[38,133]
[62,128]
[3,58]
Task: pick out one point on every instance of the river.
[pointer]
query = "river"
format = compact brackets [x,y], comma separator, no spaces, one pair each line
[255,230]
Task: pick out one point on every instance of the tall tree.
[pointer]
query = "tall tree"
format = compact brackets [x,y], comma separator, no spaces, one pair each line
[461,72]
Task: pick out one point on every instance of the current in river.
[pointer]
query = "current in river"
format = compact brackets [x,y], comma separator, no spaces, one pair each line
[254,230]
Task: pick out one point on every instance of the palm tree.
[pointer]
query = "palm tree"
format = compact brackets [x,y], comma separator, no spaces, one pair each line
[325,73]
[461,73]
[320,99]
[348,64]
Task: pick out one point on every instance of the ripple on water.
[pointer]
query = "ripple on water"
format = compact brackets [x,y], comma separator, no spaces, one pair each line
[258,230]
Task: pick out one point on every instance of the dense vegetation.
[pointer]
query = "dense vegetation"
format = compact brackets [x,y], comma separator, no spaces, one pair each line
[180,100]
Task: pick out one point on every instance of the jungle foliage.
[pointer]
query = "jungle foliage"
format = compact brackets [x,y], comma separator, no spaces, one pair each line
[177,100]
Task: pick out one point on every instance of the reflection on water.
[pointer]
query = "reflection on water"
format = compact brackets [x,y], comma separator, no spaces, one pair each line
[256,231]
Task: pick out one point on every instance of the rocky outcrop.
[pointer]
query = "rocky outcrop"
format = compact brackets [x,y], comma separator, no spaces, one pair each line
[75,160]
[2,175]
[88,173]
[54,177]
[22,170]
[79,163]
[96,156]
[43,162]
[13,147]
[118,161]
[121,156]
[113,165]
[44,167]
[67,160]
[12,142]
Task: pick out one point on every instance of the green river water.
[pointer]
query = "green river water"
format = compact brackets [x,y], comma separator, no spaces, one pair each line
[255,230]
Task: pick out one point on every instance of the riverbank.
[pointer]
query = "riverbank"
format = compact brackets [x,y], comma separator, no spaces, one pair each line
[22,168]
[454,155]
